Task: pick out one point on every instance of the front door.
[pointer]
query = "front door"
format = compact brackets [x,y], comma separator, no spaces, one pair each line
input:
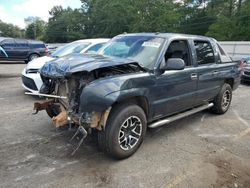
[175,89]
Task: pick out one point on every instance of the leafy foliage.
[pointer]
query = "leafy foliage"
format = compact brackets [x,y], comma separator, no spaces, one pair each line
[35,28]
[222,19]
[9,30]
[65,25]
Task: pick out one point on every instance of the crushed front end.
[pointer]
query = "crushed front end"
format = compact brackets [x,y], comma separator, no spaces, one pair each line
[70,100]
[63,93]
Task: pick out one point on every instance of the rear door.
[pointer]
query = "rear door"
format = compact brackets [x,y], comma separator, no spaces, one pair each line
[175,89]
[208,71]
[22,49]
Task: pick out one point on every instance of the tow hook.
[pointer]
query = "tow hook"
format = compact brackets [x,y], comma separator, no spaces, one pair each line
[80,131]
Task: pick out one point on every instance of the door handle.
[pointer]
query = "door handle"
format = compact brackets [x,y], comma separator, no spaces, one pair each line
[215,72]
[194,76]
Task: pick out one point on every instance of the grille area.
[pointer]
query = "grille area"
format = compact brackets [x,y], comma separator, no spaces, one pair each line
[31,71]
[247,73]
[29,83]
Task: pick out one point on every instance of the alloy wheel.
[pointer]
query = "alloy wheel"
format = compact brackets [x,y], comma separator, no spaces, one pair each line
[130,133]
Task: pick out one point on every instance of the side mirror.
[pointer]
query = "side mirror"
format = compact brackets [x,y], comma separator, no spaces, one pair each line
[174,64]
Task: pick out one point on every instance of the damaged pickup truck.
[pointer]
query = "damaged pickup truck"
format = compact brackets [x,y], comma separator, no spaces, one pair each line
[134,82]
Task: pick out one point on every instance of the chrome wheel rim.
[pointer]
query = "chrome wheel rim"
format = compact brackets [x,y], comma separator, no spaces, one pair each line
[226,99]
[33,57]
[130,133]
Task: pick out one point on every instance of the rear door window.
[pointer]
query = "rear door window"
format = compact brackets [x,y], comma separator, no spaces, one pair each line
[21,43]
[8,43]
[204,52]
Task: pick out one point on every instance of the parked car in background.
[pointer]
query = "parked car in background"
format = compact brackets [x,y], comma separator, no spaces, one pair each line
[31,79]
[21,49]
[52,47]
[246,71]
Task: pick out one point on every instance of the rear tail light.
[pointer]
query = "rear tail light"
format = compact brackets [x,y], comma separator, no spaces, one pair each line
[46,51]
[242,64]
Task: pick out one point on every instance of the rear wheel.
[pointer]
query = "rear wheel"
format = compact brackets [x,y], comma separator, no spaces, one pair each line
[124,132]
[223,100]
[33,56]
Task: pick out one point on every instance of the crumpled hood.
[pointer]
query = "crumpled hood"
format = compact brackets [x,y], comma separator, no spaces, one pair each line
[73,63]
[38,62]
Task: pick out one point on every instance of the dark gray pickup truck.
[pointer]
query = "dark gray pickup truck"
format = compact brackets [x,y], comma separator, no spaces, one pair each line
[134,82]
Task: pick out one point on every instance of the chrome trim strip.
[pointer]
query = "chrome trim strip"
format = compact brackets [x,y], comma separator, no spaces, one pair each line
[46,95]
[179,116]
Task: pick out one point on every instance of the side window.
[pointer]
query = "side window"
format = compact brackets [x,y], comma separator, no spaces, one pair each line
[179,49]
[21,43]
[204,52]
[95,48]
[8,43]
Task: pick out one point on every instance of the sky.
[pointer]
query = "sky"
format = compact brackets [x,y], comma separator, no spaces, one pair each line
[14,11]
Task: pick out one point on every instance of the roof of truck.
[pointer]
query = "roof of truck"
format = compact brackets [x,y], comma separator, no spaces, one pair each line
[168,35]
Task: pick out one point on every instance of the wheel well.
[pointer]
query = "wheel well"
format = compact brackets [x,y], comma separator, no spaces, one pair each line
[139,100]
[32,53]
[230,81]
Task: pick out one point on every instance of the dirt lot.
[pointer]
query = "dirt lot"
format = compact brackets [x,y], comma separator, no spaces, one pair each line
[204,150]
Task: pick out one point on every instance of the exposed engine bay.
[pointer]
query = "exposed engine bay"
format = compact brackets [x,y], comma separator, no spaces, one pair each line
[66,91]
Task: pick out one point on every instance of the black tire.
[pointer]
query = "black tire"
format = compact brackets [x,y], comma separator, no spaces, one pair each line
[101,140]
[223,100]
[53,110]
[108,140]
[33,56]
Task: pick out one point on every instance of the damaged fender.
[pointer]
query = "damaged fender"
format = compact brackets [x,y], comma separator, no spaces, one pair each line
[102,94]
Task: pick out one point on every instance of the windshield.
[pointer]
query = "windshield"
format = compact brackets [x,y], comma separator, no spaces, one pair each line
[74,47]
[142,49]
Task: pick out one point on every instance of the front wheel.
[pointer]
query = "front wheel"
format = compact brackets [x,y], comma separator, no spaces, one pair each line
[53,110]
[124,132]
[223,100]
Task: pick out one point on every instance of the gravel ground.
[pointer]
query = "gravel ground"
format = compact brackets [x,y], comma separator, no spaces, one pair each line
[203,150]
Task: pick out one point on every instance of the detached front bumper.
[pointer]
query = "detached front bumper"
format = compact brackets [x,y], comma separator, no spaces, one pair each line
[96,120]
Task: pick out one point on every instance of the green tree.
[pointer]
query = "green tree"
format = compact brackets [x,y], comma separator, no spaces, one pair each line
[10,30]
[35,28]
[223,29]
[65,25]
[107,18]
[232,21]
[155,16]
